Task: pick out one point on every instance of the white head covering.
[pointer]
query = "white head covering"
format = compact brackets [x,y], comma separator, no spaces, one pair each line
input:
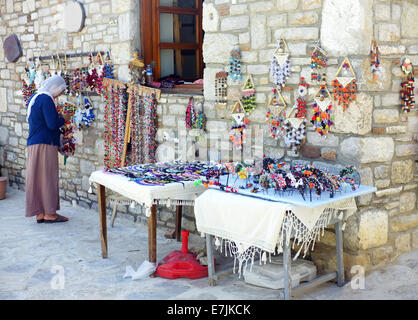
[52,87]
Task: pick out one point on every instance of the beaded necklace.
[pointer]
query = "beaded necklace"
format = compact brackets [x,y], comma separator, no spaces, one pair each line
[151,125]
[318,63]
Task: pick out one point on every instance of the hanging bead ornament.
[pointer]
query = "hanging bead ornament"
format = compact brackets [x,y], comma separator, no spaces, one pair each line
[318,64]
[375,59]
[280,64]
[300,101]
[322,118]
[92,75]
[345,87]
[68,140]
[407,86]
[151,126]
[295,131]
[201,119]
[276,114]
[238,130]
[190,119]
[248,95]
[235,64]
[108,67]
[221,87]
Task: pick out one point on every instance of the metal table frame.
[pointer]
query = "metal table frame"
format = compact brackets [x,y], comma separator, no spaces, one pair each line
[287,264]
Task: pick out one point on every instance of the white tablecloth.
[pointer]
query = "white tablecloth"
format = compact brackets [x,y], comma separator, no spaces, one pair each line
[148,195]
[249,221]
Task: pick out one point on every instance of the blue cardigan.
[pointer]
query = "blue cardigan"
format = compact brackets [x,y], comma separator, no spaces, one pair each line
[44,122]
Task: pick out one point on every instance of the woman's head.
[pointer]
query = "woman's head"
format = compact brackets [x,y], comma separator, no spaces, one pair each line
[54,85]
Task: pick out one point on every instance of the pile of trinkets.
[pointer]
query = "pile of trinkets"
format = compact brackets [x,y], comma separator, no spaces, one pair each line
[267,176]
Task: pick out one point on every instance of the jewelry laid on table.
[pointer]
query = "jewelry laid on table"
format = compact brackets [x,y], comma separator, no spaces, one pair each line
[375,60]
[235,64]
[280,64]
[318,64]
[407,86]
[345,87]
[322,118]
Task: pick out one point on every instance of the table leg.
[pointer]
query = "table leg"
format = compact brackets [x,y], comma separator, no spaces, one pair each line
[152,235]
[102,218]
[340,255]
[287,264]
[209,251]
[179,211]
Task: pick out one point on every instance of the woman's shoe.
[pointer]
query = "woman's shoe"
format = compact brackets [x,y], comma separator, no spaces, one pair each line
[57,219]
[40,220]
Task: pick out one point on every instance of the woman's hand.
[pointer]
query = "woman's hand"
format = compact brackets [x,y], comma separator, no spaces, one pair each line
[67,117]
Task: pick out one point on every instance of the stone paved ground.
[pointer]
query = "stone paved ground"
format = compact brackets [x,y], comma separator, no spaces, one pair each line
[28,251]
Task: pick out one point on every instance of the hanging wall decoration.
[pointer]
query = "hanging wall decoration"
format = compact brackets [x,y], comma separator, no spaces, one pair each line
[74,16]
[12,48]
[280,64]
[68,140]
[276,114]
[221,87]
[318,64]
[345,87]
[322,118]
[295,131]
[300,101]
[407,86]
[190,119]
[248,95]
[238,129]
[235,64]
[375,59]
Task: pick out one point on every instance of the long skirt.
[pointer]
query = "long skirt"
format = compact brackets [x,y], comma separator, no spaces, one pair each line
[42,189]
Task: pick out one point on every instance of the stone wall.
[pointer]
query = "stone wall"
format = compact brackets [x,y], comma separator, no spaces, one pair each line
[371,133]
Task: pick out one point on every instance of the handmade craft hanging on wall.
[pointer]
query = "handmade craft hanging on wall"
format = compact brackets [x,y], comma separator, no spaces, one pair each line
[300,101]
[407,86]
[195,120]
[68,140]
[322,118]
[74,16]
[84,115]
[221,87]
[12,48]
[238,128]
[280,64]
[248,95]
[276,114]
[235,64]
[295,131]
[318,64]
[374,60]
[345,87]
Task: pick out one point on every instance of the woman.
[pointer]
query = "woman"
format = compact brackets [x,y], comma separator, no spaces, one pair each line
[42,195]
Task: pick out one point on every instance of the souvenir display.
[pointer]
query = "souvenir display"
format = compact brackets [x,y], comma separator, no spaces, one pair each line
[201,119]
[318,64]
[345,87]
[322,118]
[108,67]
[407,86]
[248,95]
[375,59]
[84,114]
[280,64]
[150,127]
[276,114]
[27,91]
[300,101]
[295,133]
[235,64]
[190,115]
[238,130]
[68,141]
[221,87]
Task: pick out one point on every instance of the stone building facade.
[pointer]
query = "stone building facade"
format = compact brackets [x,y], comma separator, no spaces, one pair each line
[371,134]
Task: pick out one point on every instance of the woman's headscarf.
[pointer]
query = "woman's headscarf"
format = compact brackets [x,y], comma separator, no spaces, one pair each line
[52,87]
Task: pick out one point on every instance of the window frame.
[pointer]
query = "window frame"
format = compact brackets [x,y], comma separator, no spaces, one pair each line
[150,41]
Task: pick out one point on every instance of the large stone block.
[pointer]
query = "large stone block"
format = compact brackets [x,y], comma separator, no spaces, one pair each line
[357,118]
[407,202]
[217,47]
[258,32]
[366,81]
[210,18]
[347,26]
[285,5]
[3,100]
[235,23]
[402,171]
[121,6]
[388,32]
[372,229]
[403,243]
[404,222]
[386,115]
[409,21]
[306,33]
[382,255]
[367,150]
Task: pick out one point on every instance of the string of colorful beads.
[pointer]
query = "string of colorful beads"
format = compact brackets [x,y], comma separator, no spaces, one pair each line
[151,125]
[301,103]
[318,63]
[322,118]
[235,64]
[375,59]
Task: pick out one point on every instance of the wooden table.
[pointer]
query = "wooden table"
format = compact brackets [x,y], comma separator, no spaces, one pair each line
[179,194]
